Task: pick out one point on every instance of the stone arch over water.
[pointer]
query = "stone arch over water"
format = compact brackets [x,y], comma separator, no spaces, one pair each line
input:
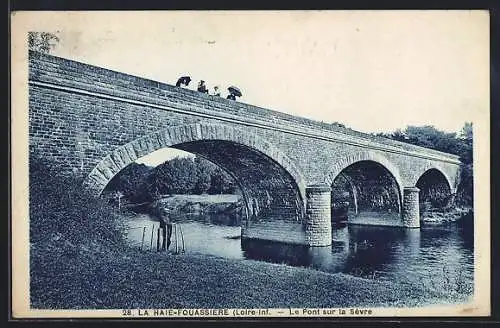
[435,167]
[271,184]
[365,182]
[343,163]
[435,190]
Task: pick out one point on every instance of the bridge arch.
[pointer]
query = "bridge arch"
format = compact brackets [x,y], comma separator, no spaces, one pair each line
[373,173]
[435,190]
[200,138]
[360,156]
[437,168]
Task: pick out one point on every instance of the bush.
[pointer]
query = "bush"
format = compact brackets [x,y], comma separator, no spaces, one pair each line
[74,237]
[61,210]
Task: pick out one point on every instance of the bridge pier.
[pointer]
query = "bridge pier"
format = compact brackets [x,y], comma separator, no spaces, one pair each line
[411,211]
[318,225]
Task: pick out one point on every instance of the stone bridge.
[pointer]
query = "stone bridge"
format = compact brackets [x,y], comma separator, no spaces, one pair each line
[93,122]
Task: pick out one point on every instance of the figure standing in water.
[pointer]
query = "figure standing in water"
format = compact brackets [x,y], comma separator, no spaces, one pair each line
[166,228]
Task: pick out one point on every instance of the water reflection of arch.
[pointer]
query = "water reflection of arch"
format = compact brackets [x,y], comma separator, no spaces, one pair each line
[276,252]
[377,247]
[290,254]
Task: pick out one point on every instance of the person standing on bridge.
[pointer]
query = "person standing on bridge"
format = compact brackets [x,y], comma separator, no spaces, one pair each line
[202,87]
[233,92]
[216,91]
[183,80]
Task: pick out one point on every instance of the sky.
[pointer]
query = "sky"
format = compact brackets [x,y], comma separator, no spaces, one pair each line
[374,71]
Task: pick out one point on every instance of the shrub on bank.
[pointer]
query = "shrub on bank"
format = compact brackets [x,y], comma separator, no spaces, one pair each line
[70,231]
[60,209]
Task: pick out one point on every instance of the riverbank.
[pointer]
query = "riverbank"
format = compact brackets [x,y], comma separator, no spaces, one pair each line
[132,279]
[230,204]
[91,274]
[458,214]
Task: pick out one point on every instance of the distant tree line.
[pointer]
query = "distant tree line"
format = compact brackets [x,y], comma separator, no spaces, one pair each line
[461,145]
[43,42]
[181,175]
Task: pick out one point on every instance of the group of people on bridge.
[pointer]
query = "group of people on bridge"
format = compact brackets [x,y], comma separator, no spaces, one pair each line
[234,92]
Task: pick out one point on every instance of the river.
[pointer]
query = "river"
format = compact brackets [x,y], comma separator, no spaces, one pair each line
[434,256]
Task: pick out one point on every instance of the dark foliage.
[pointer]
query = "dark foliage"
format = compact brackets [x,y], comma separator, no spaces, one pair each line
[181,175]
[132,183]
[204,172]
[61,210]
[177,176]
[461,145]
[221,183]
[70,230]
[42,42]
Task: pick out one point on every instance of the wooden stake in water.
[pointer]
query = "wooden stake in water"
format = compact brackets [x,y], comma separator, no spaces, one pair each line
[152,235]
[182,238]
[176,243]
[158,240]
[143,233]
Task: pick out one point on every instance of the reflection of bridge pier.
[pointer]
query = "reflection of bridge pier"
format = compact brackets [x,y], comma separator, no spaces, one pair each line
[369,247]
[411,241]
[340,237]
[291,254]
[321,257]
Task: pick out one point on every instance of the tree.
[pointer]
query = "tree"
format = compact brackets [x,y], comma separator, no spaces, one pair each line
[42,42]
[430,137]
[131,181]
[177,176]
[399,135]
[465,190]
[205,170]
[396,135]
[466,143]
[426,136]
[221,183]
[461,145]
[140,183]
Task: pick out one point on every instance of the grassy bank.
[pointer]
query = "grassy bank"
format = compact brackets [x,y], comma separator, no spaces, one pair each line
[78,259]
[133,279]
